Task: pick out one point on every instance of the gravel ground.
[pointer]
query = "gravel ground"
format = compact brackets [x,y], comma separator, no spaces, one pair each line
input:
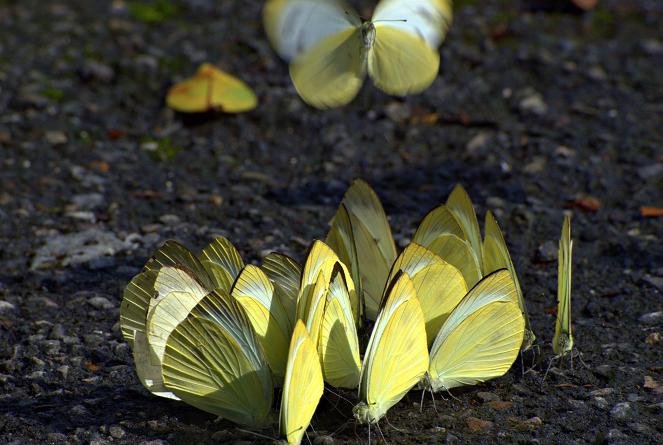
[535,111]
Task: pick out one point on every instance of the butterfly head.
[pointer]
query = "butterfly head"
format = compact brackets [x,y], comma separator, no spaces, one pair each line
[368,34]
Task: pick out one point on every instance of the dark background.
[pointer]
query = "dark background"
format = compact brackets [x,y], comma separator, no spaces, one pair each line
[535,111]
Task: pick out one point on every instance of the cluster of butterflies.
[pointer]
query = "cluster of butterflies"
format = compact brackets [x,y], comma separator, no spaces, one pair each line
[447,311]
[330,49]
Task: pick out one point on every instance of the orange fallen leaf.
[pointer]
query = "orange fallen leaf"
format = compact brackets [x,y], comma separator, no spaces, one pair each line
[114,134]
[92,367]
[587,203]
[101,166]
[651,212]
[550,310]
[586,4]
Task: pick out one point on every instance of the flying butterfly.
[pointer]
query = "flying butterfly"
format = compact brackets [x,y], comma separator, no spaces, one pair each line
[330,48]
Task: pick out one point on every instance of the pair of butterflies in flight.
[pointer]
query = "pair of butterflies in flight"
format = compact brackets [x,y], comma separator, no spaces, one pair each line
[330,48]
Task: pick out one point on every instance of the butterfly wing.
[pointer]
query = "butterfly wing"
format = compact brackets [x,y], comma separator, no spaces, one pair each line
[302,387]
[285,274]
[255,293]
[222,261]
[214,362]
[397,353]
[439,285]
[458,252]
[338,345]
[563,340]
[496,256]
[374,243]
[228,93]
[460,204]
[331,72]
[295,26]
[439,221]
[481,338]
[404,57]
[140,290]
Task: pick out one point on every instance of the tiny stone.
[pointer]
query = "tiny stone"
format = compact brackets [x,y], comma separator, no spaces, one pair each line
[99,302]
[615,434]
[116,432]
[537,165]
[79,410]
[57,332]
[602,392]
[477,425]
[534,422]
[533,104]
[169,219]
[56,137]
[323,440]
[63,371]
[487,396]
[600,402]
[477,143]
[650,171]
[652,318]
[452,440]
[6,306]
[576,404]
[603,370]
[547,252]
[621,410]
[500,405]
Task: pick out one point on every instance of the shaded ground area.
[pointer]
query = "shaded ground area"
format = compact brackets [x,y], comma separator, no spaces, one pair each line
[534,112]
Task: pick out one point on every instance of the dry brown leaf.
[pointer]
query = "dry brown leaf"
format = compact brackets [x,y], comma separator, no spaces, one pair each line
[651,212]
[587,203]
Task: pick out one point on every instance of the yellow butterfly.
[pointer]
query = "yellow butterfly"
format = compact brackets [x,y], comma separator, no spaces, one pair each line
[397,354]
[361,236]
[496,256]
[331,49]
[255,293]
[481,338]
[211,89]
[452,232]
[327,304]
[285,274]
[302,387]
[213,361]
[438,284]
[563,339]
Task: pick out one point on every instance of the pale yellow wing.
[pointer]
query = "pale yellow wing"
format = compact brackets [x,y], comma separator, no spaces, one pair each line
[439,221]
[211,88]
[294,26]
[222,261]
[400,63]
[426,19]
[213,362]
[481,338]
[303,386]
[460,204]
[285,274]
[331,72]
[140,290]
[255,293]
[563,340]
[341,240]
[496,256]
[374,243]
[322,259]
[338,345]
[458,252]
[177,293]
[397,354]
[438,284]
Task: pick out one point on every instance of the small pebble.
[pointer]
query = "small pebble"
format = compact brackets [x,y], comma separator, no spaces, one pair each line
[621,411]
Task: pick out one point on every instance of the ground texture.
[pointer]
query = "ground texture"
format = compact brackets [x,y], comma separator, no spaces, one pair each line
[535,112]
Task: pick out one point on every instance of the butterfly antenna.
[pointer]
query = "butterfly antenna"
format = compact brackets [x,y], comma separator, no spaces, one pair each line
[432,396]
[421,403]
[451,395]
[391,425]
[340,397]
[308,438]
